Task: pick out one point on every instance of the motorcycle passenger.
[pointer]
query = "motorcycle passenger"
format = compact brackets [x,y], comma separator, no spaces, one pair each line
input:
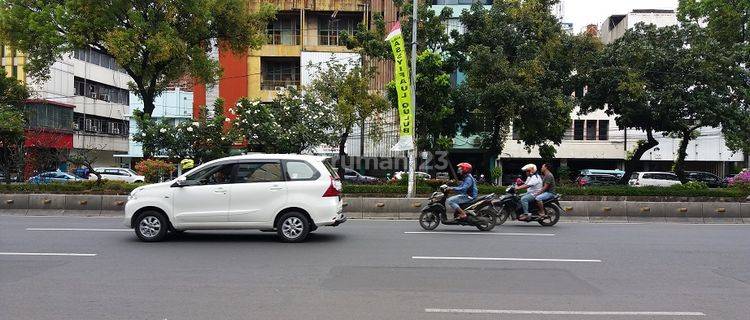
[466,192]
[548,188]
[534,185]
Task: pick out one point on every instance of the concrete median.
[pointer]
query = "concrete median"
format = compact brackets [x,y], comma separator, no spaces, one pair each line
[409,209]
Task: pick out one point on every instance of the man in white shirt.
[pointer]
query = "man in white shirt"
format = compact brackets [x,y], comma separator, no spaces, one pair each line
[534,184]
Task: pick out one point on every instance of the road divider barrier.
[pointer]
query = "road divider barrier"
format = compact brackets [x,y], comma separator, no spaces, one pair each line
[409,209]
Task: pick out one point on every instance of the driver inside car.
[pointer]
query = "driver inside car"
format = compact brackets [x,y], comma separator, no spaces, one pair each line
[466,192]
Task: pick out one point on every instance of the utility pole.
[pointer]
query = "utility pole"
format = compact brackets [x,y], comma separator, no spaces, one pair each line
[411,190]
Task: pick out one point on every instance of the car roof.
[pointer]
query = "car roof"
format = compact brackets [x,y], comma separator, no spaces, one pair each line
[659,172]
[288,156]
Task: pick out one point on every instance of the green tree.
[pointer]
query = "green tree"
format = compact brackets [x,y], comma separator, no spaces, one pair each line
[521,70]
[155,41]
[13,121]
[346,89]
[436,114]
[728,23]
[204,139]
[292,123]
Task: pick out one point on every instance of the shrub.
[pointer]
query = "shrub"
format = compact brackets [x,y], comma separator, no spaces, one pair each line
[741,182]
[82,187]
[691,185]
[154,170]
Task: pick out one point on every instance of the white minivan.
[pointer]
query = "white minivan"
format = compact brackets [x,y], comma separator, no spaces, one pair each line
[290,194]
[653,179]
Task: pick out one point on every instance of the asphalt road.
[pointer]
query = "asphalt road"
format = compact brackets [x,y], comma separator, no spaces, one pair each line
[376,270]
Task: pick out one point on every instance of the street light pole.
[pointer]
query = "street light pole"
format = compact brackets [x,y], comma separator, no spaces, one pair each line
[411,190]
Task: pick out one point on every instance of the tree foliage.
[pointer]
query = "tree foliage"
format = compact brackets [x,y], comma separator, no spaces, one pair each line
[520,69]
[346,90]
[203,139]
[12,123]
[293,123]
[155,41]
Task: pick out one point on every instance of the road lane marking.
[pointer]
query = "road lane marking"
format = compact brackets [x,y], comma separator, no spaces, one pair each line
[80,229]
[504,259]
[581,313]
[482,233]
[54,254]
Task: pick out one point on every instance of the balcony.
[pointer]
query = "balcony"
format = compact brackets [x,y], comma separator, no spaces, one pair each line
[313,5]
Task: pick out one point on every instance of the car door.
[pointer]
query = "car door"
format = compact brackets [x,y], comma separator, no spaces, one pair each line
[258,192]
[204,198]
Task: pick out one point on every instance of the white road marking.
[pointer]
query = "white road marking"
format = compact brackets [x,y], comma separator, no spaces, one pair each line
[47,254]
[482,233]
[79,229]
[504,259]
[581,313]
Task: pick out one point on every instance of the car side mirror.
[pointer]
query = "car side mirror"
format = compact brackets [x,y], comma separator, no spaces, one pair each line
[182,182]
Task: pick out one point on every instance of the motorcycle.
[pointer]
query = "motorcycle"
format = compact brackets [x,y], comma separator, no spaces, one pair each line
[480,212]
[509,205]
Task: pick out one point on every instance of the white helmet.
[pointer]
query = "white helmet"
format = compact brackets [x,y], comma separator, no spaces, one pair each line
[529,166]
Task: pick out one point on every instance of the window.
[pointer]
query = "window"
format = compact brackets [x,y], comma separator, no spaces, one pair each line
[329,31]
[578,129]
[299,170]
[284,31]
[603,129]
[258,172]
[93,56]
[650,176]
[219,174]
[279,73]
[99,91]
[590,129]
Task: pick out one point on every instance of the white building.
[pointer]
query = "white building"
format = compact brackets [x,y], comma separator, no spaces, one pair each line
[615,26]
[98,88]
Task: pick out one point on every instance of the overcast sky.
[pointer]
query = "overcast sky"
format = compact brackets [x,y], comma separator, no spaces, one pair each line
[584,12]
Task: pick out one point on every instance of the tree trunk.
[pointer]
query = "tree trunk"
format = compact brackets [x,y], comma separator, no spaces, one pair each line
[148,103]
[342,151]
[634,163]
[679,161]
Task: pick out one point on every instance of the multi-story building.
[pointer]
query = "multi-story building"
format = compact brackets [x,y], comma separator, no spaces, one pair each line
[305,35]
[97,88]
[173,105]
[615,26]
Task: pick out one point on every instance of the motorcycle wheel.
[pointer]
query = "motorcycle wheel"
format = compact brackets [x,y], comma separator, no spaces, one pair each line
[502,216]
[489,217]
[553,216]
[428,220]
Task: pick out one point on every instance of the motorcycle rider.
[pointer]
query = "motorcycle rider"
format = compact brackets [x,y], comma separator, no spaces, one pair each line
[466,192]
[534,185]
[548,188]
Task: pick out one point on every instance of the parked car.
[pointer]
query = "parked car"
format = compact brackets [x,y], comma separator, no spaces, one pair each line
[596,180]
[118,174]
[653,179]
[13,178]
[54,176]
[290,194]
[710,179]
[355,177]
[616,173]
[420,175]
[443,176]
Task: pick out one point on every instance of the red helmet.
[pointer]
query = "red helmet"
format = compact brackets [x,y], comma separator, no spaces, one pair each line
[465,167]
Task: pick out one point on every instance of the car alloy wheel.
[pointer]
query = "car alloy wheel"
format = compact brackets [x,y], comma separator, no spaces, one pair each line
[151,226]
[292,227]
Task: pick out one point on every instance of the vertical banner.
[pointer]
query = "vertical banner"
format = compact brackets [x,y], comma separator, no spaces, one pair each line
[403,89]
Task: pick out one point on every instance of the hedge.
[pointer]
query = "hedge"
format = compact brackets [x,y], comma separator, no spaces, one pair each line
[84,187]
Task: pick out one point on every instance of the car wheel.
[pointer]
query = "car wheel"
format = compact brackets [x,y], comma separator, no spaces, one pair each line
[293,227]
[151,226]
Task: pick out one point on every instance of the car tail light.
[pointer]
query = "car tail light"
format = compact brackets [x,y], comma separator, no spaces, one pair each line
[334,189]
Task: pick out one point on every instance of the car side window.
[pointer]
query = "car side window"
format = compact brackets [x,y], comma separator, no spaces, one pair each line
[300,170]
[650,176]
[634,176]
[260,171]
[221,174]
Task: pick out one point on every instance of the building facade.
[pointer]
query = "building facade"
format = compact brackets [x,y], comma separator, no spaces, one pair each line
[174,106]
[304,37]
[97,88]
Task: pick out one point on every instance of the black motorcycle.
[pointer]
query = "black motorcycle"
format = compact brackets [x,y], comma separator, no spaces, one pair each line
[480,212]
[509,205]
